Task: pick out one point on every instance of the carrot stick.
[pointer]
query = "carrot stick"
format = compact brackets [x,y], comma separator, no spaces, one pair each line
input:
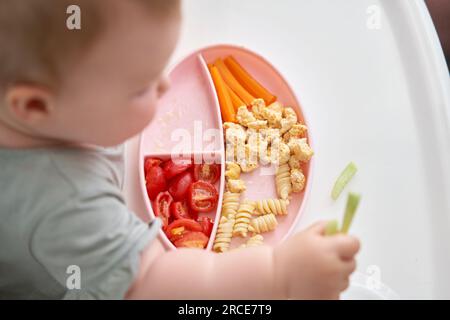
[247,81]
[226,105]
[231,81]
[237,102]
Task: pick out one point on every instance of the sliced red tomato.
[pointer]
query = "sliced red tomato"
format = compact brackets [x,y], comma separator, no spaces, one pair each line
[207,172]
[161,207]
[192,240]
[189,224]
[179,185]
[155,181]
[151,162]
[194,214]
[172,168]
[207,225]
[180,210]
[203,196]
[179,227]
[176,233]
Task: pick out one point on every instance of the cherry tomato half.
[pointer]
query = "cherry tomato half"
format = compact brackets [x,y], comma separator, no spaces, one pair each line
[192,240]
[151,162]
[180,210]
[207,172]
[207,225]
[179,185]
[161,207]
[172,168]
[155,181]
[189,224]
[203,196]
[179,227]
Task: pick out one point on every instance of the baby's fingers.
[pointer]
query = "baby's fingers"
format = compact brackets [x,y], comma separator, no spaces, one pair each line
[346,246]
[318,227]
[349,267]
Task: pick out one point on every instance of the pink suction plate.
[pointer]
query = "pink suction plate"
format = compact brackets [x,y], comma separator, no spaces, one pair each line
[190,113]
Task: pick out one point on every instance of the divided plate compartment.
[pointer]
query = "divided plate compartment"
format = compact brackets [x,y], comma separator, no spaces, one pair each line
[191,109]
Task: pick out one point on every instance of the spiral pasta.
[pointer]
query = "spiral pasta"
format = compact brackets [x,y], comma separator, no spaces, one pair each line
[224,234]
[256,240]
[263,223]
[230,204]
[276,206]
[243,217]
[283,181]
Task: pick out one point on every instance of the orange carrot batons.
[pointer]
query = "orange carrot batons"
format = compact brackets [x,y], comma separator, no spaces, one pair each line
[237,102]
[226,105]
[248,82]
[234,84]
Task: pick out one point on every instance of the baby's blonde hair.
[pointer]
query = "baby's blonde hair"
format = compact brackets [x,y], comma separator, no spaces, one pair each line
[35,43]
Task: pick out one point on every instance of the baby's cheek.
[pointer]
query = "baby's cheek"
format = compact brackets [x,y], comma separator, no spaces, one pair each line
[144,110]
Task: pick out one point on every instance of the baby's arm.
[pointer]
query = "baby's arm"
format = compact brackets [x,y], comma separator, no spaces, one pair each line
[308,265]
[199,274]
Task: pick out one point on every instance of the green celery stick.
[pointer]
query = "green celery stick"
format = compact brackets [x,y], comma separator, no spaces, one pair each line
[331,228]
[343,179]
[350,209]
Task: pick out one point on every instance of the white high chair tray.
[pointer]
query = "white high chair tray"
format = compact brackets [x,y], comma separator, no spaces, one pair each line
[372,78]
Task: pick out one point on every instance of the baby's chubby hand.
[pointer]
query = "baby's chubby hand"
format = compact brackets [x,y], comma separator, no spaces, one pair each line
[310,265]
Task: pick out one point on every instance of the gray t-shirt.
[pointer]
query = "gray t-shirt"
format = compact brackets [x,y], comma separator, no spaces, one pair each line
[64,223]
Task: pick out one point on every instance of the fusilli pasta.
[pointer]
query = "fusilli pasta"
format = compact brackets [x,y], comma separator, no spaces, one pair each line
[263,223]
[256,240]
[224,234]
[275,206]
[243,217]
[283,181]
[230,204]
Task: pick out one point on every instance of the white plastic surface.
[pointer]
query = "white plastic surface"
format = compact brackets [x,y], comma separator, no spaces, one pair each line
[378,97]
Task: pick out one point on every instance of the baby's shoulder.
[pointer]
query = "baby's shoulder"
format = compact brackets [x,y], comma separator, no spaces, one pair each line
[86,169]
[35,183]
[56,171]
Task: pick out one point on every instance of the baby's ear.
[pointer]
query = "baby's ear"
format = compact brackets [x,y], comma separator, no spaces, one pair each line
[29,104]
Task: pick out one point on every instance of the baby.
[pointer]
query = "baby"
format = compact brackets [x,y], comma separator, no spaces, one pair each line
[67,97]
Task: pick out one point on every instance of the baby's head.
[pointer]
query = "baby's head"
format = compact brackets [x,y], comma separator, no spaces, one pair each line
[97,85]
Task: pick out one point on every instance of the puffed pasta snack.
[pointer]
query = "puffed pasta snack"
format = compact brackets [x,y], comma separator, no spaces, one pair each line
[258,106]
[284,152]
[289,119]
[297,131]
[297,180]
[294,163]
[236,185]
[233,171]
[300,149]
[244,116]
